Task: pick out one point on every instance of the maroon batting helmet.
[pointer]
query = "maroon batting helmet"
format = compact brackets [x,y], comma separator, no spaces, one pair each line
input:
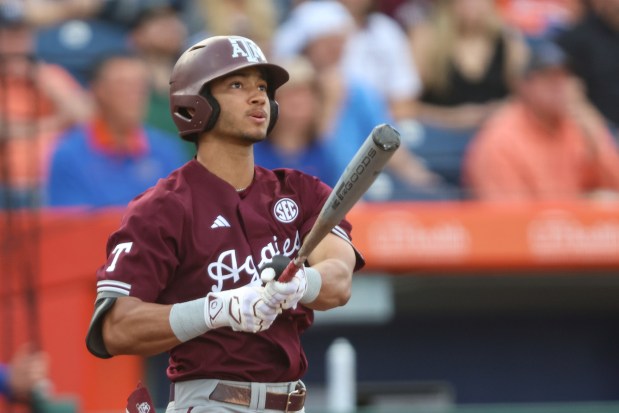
[193,108]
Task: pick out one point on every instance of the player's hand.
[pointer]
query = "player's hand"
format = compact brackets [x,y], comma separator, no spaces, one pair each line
[283,295]
[242,309]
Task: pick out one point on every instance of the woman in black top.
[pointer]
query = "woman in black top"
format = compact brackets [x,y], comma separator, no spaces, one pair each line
[467,59]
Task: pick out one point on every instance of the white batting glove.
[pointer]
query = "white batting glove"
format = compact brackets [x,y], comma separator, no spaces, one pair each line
[284,295]
[243,309]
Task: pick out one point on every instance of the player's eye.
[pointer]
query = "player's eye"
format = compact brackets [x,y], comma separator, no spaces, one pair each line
[263,88]
[236,85]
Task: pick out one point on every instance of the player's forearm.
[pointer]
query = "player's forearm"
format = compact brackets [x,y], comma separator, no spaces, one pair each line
[138,328]
[336,284]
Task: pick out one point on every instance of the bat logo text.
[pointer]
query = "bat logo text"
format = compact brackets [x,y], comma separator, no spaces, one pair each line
[357,171]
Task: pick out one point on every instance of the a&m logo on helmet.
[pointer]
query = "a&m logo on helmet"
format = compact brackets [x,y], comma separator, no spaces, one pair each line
[285,210]
[243,47]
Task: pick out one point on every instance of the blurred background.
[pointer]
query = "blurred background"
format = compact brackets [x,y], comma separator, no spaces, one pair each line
[491,239]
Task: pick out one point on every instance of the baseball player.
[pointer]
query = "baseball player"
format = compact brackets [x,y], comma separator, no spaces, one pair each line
[183,273]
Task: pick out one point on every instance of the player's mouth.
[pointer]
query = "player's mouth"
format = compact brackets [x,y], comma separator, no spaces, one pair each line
[258,116]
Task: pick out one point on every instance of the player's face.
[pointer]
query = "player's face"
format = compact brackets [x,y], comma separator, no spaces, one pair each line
[244,103]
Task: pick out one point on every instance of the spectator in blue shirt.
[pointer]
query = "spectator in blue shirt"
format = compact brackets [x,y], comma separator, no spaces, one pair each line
[113,157]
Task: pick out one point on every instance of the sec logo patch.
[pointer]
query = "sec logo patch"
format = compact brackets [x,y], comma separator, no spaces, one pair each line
[285,210]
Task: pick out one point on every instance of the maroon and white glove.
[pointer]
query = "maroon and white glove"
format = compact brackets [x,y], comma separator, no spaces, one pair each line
[284,295]
[242,309]
[303,287]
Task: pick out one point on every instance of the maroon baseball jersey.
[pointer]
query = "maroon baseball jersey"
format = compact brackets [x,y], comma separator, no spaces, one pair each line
[193,234]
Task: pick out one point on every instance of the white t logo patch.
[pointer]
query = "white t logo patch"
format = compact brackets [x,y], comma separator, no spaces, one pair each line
[119,249]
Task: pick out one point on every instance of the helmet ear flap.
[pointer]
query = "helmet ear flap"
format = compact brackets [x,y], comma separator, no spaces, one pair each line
[189,112]
[215,109]
[274,113]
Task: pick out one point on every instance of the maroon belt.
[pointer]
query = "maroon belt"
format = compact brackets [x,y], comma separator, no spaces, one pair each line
[285,402]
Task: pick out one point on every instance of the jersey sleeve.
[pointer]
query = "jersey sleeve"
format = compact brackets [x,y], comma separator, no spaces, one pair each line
[142,255]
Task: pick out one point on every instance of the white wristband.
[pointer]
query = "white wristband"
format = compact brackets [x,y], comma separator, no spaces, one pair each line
[187,319]
[314,282]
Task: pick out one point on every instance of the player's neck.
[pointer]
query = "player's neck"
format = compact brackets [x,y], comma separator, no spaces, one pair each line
[234,165]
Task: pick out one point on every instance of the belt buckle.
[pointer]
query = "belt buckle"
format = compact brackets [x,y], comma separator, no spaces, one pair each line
[295,391]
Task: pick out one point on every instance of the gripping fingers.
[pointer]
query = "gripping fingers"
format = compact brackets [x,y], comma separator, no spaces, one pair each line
[286,295]
[257,315]
[242,309]
[264,315]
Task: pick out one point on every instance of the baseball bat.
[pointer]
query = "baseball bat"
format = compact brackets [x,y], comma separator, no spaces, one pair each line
[359,174]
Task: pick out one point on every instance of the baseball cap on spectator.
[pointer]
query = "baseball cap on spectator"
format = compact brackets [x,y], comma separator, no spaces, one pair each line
[545,54]
[309,21]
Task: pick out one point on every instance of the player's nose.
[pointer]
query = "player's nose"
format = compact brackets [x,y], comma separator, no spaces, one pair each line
[259,96]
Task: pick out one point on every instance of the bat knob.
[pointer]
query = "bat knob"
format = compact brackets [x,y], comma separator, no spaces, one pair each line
[268,274]
[273,269]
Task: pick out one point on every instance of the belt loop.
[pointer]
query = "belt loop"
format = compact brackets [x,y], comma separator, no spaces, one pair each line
[258,396]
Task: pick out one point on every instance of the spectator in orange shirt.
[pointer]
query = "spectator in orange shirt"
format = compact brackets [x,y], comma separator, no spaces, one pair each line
[38,101]
[548,143]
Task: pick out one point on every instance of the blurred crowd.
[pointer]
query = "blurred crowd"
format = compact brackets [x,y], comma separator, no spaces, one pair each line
[502,100]
[494,99]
